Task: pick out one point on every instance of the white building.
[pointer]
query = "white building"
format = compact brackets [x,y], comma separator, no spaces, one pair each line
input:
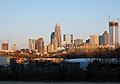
[68,38]
[114,33]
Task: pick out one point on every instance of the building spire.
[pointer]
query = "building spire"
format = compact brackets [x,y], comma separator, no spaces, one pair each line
[57,24]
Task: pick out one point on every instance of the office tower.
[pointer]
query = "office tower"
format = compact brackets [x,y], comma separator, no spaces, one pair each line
[68,38]
[94,40]
[52,37]
[101,40]
[57,37]
[14,48]
[39,45]
[32,44]
[78,42]
[106,38]
[114,33]
[4,46]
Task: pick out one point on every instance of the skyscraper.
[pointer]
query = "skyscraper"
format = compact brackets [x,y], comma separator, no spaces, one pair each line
[52,37]
[94,39]
[32,44]
[39,45]
[113,33]
[101,40]
[57,37]
[68,38]
[106,38]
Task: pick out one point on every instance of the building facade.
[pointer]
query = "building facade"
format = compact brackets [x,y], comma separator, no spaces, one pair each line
[94,40]
[52,37]
[50,48]
[78,42]
[57,37]
[32,44]
[39,45]
[14,48]
[68,38]
[114,33]
[101,40]
[106,38]
[4,46]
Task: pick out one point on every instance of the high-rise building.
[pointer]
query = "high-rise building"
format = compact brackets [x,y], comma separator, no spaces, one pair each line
[4,46]
[113,33]
[68,38]
[39,45]
[14,48]
[52,37]
[101,40]
[32,44]
[57,37]
[94,40]
[106,38]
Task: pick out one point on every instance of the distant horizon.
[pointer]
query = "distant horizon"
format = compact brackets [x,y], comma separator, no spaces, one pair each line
[22,20]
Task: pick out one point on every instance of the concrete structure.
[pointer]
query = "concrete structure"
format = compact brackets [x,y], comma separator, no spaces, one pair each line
[4,46]
[114,33]
[39,45]
[94,40]
[32,44]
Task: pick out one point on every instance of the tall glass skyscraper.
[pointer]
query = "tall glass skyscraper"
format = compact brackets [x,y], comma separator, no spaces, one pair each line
[114,33]
[52,37]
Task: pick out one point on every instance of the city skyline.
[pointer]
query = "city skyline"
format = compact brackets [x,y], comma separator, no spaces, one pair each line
[22,20]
